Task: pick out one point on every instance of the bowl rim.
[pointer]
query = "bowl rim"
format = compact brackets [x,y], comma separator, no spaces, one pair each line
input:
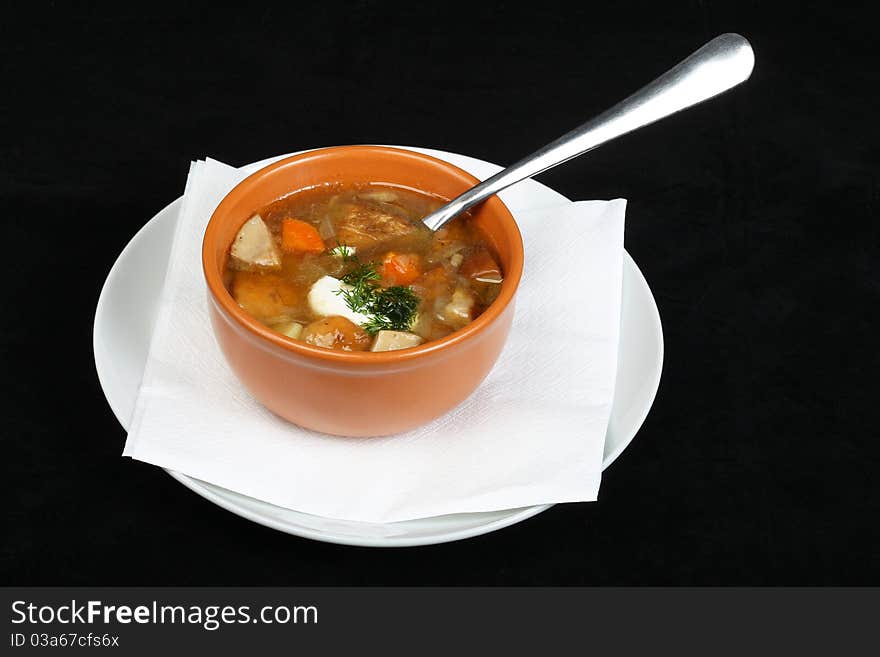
[232,311]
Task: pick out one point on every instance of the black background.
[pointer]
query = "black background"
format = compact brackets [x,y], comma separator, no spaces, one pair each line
[752,217]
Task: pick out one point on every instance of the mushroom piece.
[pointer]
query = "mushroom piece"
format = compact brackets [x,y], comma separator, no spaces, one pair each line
[254,248]
[393,340]
[362,226]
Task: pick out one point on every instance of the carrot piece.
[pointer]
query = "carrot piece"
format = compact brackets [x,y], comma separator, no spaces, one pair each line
[400,268]
[299,237]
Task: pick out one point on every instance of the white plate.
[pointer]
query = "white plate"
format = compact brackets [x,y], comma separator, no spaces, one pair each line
[124,323]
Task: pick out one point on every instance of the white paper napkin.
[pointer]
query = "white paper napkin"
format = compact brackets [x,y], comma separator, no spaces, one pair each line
[532,433]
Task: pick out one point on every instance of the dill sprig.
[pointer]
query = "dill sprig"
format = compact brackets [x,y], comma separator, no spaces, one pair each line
[346,252]
[362,276]
[390,308]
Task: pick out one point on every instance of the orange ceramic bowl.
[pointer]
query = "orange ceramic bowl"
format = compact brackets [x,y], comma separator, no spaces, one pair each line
[358,393]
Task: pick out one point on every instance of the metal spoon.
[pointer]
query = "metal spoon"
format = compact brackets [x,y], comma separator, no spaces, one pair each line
[722,63]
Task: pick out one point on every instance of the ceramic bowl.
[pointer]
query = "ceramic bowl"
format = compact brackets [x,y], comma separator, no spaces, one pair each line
[358,393]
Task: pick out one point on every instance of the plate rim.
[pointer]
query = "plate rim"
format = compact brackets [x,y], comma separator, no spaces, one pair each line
[211,493]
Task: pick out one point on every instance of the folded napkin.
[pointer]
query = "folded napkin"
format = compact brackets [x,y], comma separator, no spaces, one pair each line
[532,433]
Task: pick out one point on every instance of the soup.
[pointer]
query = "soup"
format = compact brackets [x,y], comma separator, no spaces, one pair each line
[355,269]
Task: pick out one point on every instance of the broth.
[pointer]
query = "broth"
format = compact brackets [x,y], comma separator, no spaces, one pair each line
[354,268]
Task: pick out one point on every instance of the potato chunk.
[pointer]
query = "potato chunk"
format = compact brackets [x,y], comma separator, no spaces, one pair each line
[336,333]
[267,297]
[290,329]
[422,325]
[254,248]
[457,312]
[392,340]
[363,226]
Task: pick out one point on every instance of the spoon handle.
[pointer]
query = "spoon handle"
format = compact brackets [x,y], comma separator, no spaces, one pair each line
[722,63]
